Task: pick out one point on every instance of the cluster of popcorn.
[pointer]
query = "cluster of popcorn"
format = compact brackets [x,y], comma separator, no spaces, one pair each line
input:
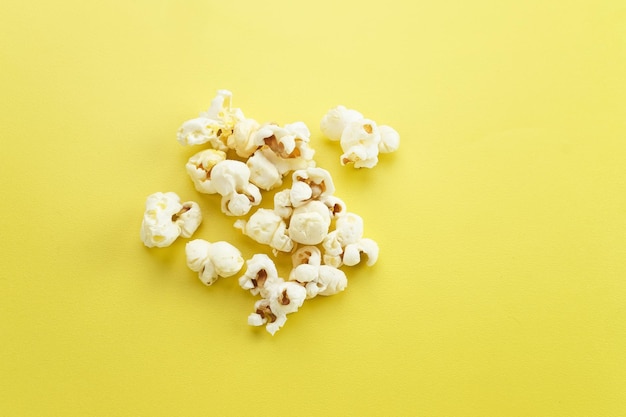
[361,139]
[307,222]
[270,151]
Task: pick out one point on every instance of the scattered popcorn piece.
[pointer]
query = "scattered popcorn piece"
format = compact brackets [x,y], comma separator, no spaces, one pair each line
[286,147]
[243,139]
[309,223]
[311,184]
[282,204]
[199,168]
[389,139]
[352,252]
[284,298]
[344,245]
[214,126]
[336,206]
[213,260]
[260,274]
[335,120]
[361,139]
[319,279]
[263,173]
[359,142]
[231,179]
[309,255]
[165,218]
[268,228]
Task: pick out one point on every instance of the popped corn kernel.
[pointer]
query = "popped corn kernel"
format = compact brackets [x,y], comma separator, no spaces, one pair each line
[260,274]
[311,184]
[268,228]
[335,120]
[359,142]
[263,173]
[214,126]
[213,260]
[336,206]
[199,168]
[309,223]
[282,204]
[165,219]
[231,179]
[243,138]
[353,251]
[319,279]
[389,139]
[309,255]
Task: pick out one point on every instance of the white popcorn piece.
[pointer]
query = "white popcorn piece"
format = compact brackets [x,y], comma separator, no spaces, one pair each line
[201,130]
[389,139]
[349,229]
[199,168]
[345,244]
[336,206]
[261,274]
[309,223]
[309,255]
[352,252]
[282,204]
[214,126]
[359,142]
[243,138]
[286,147]
[268,228]
[263,173]
[335,121]
[230,178]
[319,279]
[165,219]
[282,298]
[213,260]
[311,184]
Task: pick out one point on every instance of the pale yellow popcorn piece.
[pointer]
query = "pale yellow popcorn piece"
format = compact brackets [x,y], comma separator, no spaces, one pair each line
[166,218]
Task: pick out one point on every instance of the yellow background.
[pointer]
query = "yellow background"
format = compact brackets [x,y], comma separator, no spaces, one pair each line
[501,284]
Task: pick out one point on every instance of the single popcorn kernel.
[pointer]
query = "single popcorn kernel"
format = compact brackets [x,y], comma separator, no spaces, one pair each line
[165,219]
[361,139]
[213,260]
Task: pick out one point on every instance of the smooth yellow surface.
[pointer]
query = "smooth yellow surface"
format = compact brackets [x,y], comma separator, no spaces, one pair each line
[501,285]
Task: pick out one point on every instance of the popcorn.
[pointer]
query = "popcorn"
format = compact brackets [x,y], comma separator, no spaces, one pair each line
[310,184]
[389,139]
[361,139]
[319,279]
[213,260]
[359,142]
[345,244]
[279,298]
[309,255]
[305,219]
[268,228]
[286,147]
[260,275]
[282,204]
[309,223]
[352,252]
[336,206]
[283,298]
[230,179]
[263,173]
[165,218]
[214,126]
[335,121]
[243,138]
[199,168]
